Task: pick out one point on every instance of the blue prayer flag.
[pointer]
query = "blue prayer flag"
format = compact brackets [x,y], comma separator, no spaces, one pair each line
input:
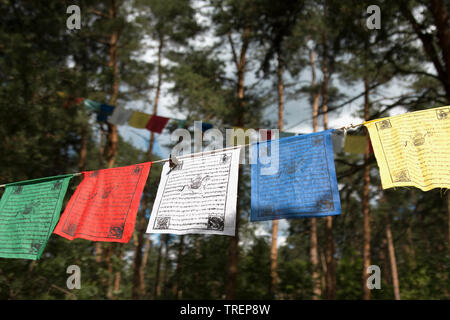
[105,111]
[206,126]
[304,182]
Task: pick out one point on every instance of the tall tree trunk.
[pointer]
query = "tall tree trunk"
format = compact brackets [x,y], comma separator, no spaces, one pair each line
[313,246]
[177,289]
[274,250]
[233,249]
[166,266]
[384,261]
[141,248]
[233,256]
[83,149]
[410,245]
[117,277]
[330,288]
[109,263]
[448,220]
[365,201]
[441,21]
[431,49]
[138,286]
[323,262]
[98,245]
[197,257]
[147,245]
[392,260]
[157,288]
[112,138]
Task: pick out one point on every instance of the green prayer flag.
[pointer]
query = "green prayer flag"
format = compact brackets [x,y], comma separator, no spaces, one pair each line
[92,105]
[284,134]
[29,211]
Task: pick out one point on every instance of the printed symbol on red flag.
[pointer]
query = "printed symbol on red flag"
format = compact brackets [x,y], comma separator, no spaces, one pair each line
[92,195]
[137,170]
[108,190]
[71,229]
[94,174]
[116,231]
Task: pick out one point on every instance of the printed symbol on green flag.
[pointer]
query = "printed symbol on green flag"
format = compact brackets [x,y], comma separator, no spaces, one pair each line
[18,190]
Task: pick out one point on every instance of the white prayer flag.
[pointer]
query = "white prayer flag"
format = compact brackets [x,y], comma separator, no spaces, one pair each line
[120,116]
[198,196]
[338,139]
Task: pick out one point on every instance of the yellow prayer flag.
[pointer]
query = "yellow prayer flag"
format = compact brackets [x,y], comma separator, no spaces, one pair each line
[413,149]
[355,144]
[241,137]
[139,119]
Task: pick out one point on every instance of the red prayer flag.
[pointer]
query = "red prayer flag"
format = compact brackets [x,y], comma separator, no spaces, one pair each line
[105,204]
[269,134]
[157,123]
[370,145]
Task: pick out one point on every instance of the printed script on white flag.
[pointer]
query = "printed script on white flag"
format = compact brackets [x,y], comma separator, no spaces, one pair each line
[198,196]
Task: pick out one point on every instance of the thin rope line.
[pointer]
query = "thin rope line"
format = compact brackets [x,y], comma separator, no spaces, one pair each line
[192,155]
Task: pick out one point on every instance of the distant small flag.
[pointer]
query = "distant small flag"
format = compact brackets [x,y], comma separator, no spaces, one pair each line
[206,126]
[157,123]
[120,116]
[338,138]
[139,120]
[284,134]
[265,134]
[105,111]
[181,123]
[355,144]
[235,136]
[92,105]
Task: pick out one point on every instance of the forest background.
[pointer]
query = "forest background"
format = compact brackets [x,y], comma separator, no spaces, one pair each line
[300,66]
